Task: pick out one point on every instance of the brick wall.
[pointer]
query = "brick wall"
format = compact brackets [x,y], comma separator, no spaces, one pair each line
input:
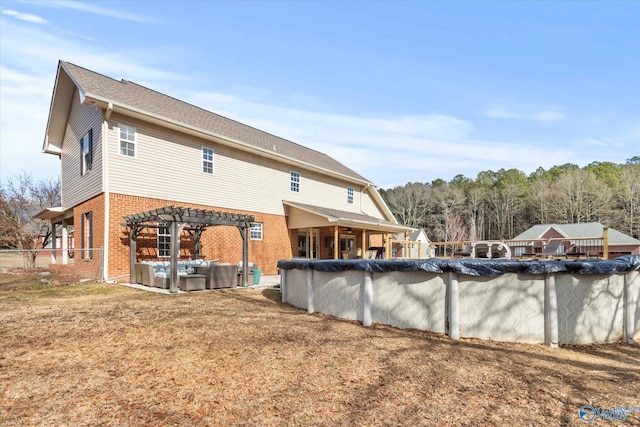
[220,242]
[89,266]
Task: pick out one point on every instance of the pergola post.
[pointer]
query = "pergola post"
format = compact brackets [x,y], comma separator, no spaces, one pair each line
[54,237]
[245,255]
[387,241]
[133,235]
[175,254]
[65,242]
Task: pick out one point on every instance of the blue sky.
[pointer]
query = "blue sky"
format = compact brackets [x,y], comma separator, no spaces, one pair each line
[398,91]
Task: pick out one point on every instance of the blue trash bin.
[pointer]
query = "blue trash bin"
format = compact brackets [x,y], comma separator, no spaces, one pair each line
[256,276]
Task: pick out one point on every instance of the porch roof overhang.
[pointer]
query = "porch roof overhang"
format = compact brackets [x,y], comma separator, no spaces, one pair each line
[334,217]
[55,213]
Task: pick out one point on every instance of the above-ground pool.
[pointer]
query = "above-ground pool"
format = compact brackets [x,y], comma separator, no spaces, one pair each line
[551,302]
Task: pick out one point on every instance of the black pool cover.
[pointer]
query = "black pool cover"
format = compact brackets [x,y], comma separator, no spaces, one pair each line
[469,266]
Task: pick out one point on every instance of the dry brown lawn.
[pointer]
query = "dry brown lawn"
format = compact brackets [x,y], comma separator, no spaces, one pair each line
[103,354]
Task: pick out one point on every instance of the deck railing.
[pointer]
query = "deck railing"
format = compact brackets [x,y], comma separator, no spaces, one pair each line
[554,248]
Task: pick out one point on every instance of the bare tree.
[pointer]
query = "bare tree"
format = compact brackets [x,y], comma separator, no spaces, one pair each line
[540,195]
[476,204]
[578,196]
[629,196]
[21,198]
[410,203]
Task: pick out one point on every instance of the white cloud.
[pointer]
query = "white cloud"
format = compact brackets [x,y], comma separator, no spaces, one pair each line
[500,113]
[35,19]
[550,114]
[92,8]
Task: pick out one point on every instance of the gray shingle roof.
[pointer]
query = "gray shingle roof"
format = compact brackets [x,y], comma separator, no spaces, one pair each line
[130,94]
[581,230]
[338,215]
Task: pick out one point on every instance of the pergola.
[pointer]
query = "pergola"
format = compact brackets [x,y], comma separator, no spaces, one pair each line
[195,221]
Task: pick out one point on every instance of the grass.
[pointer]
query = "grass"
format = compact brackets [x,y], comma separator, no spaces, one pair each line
[98,354]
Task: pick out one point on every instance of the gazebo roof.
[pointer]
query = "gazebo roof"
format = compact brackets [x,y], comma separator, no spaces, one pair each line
[195,217]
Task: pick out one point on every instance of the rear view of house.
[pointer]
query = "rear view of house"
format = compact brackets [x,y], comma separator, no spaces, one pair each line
[126,149]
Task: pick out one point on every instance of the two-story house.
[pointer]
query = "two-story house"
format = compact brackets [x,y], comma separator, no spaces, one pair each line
[125,149]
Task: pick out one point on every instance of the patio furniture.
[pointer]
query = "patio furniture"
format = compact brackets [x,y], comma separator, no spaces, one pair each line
[219,275]
[250,273]
[193,282]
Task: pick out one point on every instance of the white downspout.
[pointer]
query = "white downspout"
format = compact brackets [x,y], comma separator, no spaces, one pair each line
[361,196]
[105,186]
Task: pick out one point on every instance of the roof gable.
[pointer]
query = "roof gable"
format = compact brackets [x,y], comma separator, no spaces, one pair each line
[580,230]
[130,98]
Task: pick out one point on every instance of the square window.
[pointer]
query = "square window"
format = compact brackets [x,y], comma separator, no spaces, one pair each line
[207,160]
[127,140]
[256,231]
[295,182]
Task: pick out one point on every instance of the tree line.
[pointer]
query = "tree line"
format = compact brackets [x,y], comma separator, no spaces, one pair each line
[502,204]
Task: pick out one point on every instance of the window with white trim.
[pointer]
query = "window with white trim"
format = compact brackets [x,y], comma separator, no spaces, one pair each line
[86,157]
[256,231]
[350,195]
[295,182]
[127,140]
[207,160]
[164,242]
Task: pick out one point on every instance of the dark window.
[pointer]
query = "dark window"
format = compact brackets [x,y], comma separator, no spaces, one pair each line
[86,146]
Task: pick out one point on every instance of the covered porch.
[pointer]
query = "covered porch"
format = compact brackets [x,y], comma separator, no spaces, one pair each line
[323,233]
[61,220]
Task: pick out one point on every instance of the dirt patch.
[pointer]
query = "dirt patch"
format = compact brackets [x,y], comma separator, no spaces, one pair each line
[89,354]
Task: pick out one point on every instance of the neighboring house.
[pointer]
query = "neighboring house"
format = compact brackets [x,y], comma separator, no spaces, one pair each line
[126,149]
[583,237]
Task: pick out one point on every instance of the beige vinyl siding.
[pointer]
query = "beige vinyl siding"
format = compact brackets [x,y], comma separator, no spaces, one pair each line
[302,219]
[369,207]
[168,165]
[77,188]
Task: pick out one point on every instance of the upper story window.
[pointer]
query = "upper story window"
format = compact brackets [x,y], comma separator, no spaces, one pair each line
[86,157]
[164,242]
[295,182]
[207,160]
[127,140]
[350,195]
[256,231]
